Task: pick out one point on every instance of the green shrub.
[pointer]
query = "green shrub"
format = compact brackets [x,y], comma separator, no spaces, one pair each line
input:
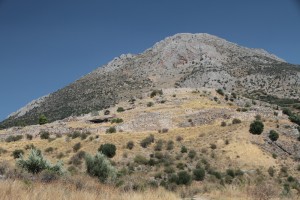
[184,178]
[17,153]
[117,120]
[223,124]
[75,134]
[48,176]
[106,112]
[37,163]
[111,130]
[180,166]
[130,145]
[43,120]
[183,149]
[147,141]
[256,127]
[108,149]
[230,172]
[13,138]
[44,135]
[199,174]
[120,109]
[76,147]
[192,154]
[273,135]
[220,91]
[236,121]
[100,167]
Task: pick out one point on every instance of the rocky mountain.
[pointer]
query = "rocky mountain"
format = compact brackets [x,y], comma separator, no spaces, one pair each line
[183,60]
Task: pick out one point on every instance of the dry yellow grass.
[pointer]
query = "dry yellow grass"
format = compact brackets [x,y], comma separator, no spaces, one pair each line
[18,190]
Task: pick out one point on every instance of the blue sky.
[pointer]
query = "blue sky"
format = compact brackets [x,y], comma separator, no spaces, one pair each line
[47,44]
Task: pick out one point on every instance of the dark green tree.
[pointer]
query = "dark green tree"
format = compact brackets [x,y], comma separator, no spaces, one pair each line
[43,120]
[256,127]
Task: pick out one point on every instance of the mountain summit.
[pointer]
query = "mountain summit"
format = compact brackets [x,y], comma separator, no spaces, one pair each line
[183,60]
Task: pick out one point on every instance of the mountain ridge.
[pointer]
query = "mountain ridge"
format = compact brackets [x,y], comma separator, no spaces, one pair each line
[182,60]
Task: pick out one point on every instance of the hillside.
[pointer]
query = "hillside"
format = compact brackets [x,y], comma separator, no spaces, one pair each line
[212,126]
[183,60]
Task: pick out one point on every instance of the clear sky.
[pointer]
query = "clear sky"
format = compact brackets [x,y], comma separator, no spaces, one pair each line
[47,44]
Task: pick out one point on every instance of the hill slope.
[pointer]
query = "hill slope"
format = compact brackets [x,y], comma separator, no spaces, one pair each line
[183,60]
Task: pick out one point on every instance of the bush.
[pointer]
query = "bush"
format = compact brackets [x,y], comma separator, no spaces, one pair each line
[170,145]
[130,145]
[111,130]
[147,141]
[76,147]
[83,136]
[44,135]
[108,149]
[273,135]
[106,112]
[49,149]
[179,138]
[287,112]
[271,171]
[220,91]
[17,153]
[117,120]
[213,146]
[37,163]
[159,145]
[120,109]
[236,121]
[184,178]
[256,127]
[29,137]
[156,92]
[43,120]
[192,154]
[13,138]
[100,167]
[183,149]
[199,174]
[150,104]
[223,124]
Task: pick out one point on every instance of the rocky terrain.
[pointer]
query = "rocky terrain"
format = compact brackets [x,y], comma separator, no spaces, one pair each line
[181,61]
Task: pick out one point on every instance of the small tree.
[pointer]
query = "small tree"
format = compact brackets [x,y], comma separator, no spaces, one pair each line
[43,120]
[273,135]
[100,167]
[256,127]
[108,149]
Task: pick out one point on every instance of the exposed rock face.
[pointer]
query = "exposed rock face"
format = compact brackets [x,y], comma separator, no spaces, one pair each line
[183,60]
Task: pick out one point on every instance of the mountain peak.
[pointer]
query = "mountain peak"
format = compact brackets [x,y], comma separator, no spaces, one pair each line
[183,60]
